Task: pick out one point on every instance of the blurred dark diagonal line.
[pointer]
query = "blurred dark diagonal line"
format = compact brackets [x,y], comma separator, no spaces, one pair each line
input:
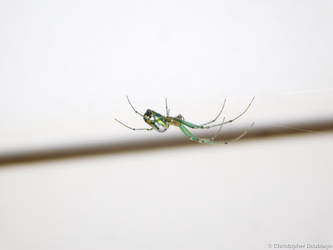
[127,147]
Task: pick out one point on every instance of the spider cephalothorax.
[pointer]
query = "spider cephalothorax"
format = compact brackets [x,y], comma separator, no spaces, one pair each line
[161,123]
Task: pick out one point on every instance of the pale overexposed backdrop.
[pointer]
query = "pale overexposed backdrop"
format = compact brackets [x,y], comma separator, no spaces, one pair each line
[65,69]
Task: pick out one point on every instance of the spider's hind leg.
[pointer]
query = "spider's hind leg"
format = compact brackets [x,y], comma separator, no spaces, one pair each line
[147,129]
[167,108]
[133,107]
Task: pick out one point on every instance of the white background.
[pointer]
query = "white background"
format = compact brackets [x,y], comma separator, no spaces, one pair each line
[65,69]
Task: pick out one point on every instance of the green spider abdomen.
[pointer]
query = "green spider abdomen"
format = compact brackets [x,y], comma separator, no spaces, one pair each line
[156,120]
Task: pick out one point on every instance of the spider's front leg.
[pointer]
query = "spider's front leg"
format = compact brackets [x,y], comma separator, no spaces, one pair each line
[205,125]
[192,137]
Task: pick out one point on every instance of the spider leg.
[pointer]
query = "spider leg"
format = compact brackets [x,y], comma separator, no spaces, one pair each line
[166,107]
[218,115]
[133,107]
[218,131]
[195,126]
[242,134]
[232,120]
[147,129]
[192,137]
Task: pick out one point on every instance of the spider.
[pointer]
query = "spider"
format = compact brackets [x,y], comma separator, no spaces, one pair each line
[161,123]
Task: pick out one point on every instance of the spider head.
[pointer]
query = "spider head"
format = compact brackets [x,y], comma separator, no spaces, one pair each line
[155,120]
